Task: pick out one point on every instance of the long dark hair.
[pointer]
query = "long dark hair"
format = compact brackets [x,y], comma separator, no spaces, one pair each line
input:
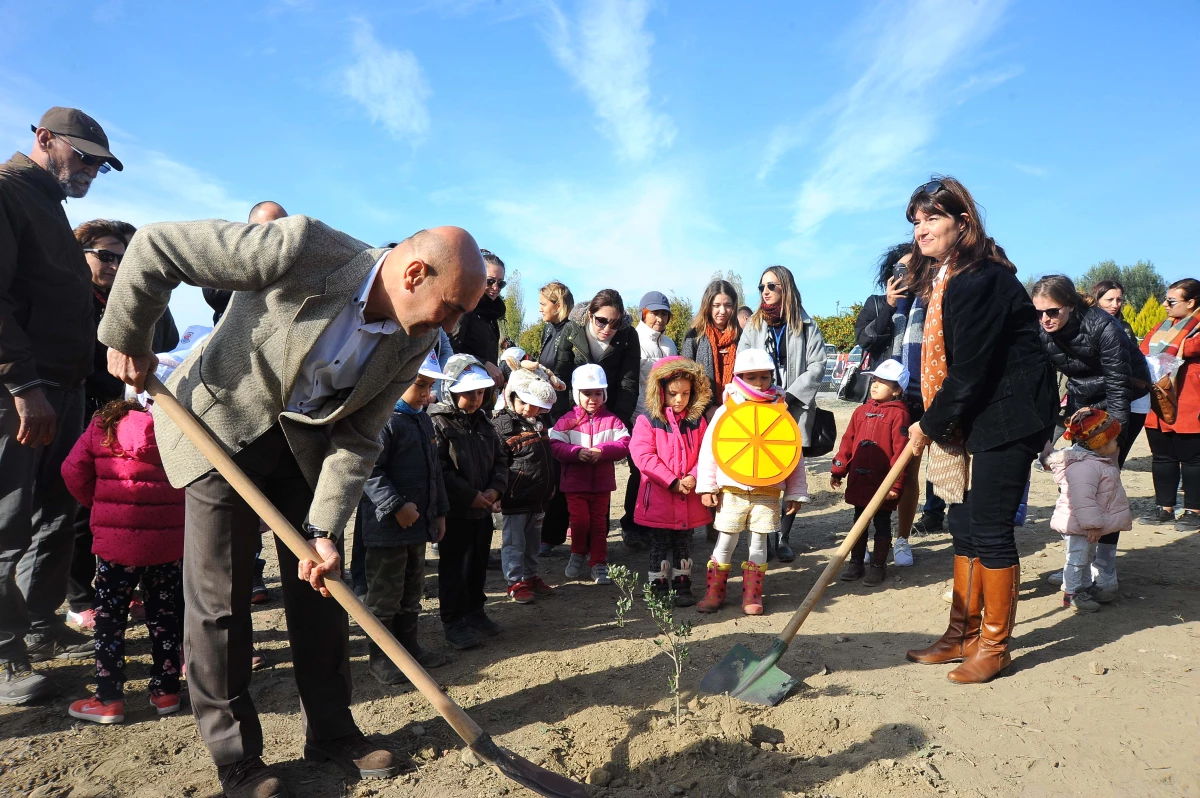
[1103,287]
[888,261]
[948,197]
[790,313]
[704,313]
[604,298]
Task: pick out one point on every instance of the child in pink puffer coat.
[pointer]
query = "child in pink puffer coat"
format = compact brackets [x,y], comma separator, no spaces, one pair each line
[1091,502]
[137,536]
[665,447]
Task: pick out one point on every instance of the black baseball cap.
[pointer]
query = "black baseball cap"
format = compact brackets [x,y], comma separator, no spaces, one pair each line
[83,132]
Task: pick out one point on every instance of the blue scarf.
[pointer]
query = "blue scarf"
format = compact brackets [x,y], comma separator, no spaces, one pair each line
[407,409]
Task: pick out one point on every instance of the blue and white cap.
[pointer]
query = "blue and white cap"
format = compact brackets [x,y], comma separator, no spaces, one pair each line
[892,371]
[431,368]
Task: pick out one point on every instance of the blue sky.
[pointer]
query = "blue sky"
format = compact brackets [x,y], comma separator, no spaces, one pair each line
[633,144]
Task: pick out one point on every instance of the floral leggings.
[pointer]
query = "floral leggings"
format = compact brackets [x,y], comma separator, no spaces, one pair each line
[162,588]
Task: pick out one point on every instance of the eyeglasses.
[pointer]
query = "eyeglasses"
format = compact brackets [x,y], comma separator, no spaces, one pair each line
[1050,313]
[932,187]
[1173,302]
[602,322]
[768,286]
[493,281]
[89,160]
[106,256]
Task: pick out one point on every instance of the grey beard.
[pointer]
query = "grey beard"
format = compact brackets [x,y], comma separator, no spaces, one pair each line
[73,185]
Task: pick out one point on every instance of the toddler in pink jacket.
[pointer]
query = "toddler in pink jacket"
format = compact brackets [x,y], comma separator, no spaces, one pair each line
[587,440]
[137,536]
[665,447]
[1091,502]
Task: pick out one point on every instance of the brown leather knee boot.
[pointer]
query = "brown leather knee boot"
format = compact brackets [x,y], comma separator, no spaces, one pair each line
[962,635]
[1000,587]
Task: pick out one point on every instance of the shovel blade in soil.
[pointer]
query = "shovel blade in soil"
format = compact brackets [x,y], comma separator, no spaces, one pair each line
[747,677]
[525,773]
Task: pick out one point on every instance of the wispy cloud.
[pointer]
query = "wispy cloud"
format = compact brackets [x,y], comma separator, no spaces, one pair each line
[1030,169]
[607,52]
[389,84]
[892,111]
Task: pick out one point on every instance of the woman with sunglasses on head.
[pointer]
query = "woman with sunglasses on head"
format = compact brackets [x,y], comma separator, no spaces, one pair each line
[478,331]
[989,391]
[789,335]
[1175,448]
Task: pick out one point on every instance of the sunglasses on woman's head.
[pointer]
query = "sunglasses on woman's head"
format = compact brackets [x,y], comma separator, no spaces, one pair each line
[602,322]
[1050,312]
[768,286]
[105,255]
[932,187]
[493,281]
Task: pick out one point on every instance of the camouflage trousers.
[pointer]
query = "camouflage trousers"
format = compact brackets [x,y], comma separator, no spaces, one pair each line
[395,578]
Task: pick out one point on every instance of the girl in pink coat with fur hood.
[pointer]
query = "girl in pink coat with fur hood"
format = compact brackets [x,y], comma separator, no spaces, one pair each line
[1091,502]
[137,534]
[665,447]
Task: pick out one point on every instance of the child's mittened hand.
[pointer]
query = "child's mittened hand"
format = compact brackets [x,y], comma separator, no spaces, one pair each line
[407,515]
[708,499]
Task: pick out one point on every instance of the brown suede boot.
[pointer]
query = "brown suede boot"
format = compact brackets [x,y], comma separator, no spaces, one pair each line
[1000,587]
[962,635]
[877,568]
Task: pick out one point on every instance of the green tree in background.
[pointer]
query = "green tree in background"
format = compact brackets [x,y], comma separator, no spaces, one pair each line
[1149,317]
[513,324]
[1141,280]
[531,339]
[1128,313]
[839,330]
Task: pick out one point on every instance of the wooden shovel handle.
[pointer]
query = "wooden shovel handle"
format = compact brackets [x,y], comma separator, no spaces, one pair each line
[467,729]
[843,551]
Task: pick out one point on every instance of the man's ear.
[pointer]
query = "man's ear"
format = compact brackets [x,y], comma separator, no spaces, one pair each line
[414,273]
[43,137]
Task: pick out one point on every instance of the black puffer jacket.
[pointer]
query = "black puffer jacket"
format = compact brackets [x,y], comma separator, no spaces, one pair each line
[621,364]
[407,470]
[1099,361]
[532,469]
[473,460]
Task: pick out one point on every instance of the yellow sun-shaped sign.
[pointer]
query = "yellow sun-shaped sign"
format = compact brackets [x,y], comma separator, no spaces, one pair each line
[756,443]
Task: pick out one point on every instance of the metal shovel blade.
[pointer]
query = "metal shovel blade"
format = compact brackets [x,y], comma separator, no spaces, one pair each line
[525,773]
[743,675]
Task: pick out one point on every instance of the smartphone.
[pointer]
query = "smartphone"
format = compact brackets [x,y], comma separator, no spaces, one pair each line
[900,272]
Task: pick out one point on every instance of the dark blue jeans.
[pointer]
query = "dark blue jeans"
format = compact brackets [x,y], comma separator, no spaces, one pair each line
[935,508]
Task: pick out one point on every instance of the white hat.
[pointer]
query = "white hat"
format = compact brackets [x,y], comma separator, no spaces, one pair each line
[472,378]
[892,371]
[753,360]
[431,368]
[531,388]
[588,377]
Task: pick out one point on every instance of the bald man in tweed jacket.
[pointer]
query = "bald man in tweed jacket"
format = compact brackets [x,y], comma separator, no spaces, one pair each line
[296,381]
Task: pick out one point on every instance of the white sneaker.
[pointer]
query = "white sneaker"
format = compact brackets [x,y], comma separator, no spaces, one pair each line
[1054,578]
[902,552]
[575,566]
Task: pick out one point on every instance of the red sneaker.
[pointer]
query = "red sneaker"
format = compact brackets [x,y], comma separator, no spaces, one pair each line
[538,586]
[165,703]
[97,711]
[521,593]
[84,620]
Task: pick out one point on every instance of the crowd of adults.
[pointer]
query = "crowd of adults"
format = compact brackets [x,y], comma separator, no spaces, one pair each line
[983,354]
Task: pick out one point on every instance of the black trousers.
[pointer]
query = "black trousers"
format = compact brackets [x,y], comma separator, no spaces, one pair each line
[982,526]
[1175,455]
[221,537]
[883,533]
[557,520]
[462,566]
[81,593]
[632,485]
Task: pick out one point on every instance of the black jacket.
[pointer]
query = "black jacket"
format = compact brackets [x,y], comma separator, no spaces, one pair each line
[472,458]
[47,335]
[478,331]
[551,334]
[1099,361]
[407,470]
[999,384]
[621,364]
[532,469]
[874,327]
[100,388]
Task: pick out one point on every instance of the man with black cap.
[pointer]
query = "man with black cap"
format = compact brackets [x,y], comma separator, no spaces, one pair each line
[47,337]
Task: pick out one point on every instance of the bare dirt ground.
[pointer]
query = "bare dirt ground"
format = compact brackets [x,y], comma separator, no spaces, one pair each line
[1094,705]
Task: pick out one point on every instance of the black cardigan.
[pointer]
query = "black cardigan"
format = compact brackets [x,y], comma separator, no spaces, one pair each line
[999,384]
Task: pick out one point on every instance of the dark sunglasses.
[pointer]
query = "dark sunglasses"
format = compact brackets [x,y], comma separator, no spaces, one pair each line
[602,322]
[1050,312]
[770,286]
[89,160]
[106,256]
[493,281]
[1173,302]
[931,188]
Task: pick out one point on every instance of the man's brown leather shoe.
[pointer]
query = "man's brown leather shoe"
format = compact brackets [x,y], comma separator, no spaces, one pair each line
[355,754]
[250,778]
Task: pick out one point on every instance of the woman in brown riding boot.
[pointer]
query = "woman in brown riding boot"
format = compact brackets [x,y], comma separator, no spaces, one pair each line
[989,391]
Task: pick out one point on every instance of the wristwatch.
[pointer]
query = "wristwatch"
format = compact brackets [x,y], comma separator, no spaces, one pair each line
[312,533]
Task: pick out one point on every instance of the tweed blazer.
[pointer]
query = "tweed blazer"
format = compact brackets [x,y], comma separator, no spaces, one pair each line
[291,277]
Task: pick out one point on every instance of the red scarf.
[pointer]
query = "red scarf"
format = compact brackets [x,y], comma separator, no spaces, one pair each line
[771,313]
[722,362]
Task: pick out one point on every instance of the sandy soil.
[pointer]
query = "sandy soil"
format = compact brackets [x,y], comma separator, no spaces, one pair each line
[1094,705]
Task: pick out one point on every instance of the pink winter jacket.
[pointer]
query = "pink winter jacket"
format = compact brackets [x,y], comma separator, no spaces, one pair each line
[1090,494]
[664,451]
[576,431]
[137,517]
